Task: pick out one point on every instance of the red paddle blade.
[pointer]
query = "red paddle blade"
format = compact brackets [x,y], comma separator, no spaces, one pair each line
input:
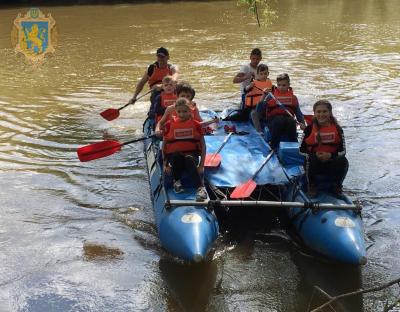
[110,114]
[244,190]
[212,160]
[98,150]
[308,119]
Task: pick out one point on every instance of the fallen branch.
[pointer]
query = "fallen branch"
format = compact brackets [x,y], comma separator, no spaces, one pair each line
[316,288]
[391,306]
[357,292]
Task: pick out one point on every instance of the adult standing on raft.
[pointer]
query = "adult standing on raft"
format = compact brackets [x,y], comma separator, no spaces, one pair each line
[155,73]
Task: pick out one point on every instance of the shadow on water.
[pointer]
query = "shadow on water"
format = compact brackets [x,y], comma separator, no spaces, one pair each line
[265,227]
[189,287]
[334,279]
[241,224]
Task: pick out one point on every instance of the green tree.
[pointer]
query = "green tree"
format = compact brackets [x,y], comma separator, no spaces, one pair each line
[262,10]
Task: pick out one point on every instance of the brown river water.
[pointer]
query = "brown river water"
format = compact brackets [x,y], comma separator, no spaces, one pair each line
[81,237]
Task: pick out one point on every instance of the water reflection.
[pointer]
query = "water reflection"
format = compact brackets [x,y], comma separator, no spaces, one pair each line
[334,279]
[189,287]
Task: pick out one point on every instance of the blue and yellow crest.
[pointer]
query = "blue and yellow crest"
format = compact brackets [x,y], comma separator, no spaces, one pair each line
[34,35]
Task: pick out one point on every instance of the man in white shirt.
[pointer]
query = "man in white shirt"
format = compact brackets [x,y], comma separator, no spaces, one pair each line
[248,72]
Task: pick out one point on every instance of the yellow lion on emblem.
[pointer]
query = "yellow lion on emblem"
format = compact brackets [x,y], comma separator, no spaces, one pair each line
[35,39]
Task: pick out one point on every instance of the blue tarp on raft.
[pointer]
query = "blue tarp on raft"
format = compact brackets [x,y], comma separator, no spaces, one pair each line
[241,157]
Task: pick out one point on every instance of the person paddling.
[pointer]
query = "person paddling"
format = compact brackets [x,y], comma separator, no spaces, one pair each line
[280,107]
[324,147]
[155,73]
[183,143]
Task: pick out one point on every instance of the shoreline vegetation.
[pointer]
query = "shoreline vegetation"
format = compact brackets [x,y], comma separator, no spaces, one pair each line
[261,9]
[30,3]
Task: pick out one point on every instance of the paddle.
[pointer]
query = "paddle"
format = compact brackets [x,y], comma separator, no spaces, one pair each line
[214,159]
[244,190]
[104,148]
[113,113]
[280,104]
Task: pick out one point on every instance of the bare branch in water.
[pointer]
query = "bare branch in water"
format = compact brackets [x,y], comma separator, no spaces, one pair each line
[358,292]
[264,6]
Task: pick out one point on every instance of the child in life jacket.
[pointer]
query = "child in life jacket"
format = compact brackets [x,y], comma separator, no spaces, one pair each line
[324,147]
[166,98]
[256,89]
[279,111]
[183,143]
[183,90]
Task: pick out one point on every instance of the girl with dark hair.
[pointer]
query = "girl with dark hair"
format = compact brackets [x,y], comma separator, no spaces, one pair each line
[324,147]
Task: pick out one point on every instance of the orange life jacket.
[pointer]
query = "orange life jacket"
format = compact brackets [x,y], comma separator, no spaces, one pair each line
[157,75]
[182,136]
[255,94]
[287,99]
[195,113]
[167,99]
[330,139]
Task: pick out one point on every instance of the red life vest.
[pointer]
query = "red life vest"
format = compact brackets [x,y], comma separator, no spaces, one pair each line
[195,113]
[330,139]
[287,99]
[156,74]
[255,94]
[167,99]
[182,136]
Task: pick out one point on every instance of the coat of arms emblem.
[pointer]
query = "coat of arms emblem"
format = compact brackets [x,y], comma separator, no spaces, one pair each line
[34,35]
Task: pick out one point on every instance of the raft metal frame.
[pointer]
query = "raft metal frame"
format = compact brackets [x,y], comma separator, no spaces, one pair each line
[210,204]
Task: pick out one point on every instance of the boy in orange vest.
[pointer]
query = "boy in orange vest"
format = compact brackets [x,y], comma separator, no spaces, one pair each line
[166,98]
[248,72]
[279,110]
[256,89]
[183,143]
[186,91]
